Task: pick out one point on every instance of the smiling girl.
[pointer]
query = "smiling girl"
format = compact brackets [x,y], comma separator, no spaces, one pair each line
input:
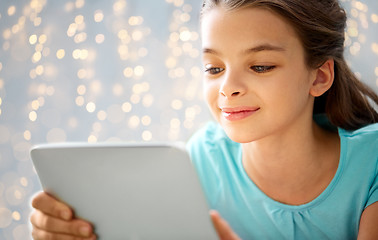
[293,154]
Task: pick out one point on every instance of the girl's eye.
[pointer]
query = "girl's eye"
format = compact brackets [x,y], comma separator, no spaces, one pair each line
[262,69]
[214,70]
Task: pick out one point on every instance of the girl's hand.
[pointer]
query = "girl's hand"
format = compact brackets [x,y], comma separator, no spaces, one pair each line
[54,220]
[221,226]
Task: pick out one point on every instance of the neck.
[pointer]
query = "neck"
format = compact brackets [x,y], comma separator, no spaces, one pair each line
[287,165]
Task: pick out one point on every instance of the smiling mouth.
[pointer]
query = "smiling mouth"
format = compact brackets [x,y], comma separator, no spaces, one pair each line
[238,113]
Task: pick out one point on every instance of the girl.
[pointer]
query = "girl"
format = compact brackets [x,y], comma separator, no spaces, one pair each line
[293,152]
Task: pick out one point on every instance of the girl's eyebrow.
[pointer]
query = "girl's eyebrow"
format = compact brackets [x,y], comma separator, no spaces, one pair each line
[255,49]
[210,51]
[264,47]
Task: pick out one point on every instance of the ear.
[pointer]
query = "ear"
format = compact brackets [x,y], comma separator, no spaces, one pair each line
[324,76]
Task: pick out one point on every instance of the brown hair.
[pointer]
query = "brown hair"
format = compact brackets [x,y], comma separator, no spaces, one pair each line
[320,25]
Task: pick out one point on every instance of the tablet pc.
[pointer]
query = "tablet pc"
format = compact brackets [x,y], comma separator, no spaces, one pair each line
[127,191]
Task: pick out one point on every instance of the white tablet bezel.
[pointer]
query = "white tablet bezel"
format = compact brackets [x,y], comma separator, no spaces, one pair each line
[127,190]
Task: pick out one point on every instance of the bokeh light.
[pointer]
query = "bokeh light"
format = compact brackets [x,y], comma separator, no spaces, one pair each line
[96,71]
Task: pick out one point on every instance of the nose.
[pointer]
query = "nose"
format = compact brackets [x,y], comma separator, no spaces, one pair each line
[224,94]
[232,86]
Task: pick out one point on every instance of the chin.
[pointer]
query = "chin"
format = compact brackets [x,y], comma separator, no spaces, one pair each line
[239,136]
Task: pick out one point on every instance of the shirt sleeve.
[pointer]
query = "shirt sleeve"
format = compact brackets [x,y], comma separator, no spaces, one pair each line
[205,158]
[373,193]
[362,147]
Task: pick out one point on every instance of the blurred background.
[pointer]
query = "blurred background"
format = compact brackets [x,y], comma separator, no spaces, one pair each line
[117,70]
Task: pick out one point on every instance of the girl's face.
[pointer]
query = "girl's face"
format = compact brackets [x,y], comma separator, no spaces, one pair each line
[256,81]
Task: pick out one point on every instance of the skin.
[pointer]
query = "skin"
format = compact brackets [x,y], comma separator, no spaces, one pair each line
[265,70]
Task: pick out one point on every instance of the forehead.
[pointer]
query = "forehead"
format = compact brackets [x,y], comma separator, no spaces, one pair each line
[246,26]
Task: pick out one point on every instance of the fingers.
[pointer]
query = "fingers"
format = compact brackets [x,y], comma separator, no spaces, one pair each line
[222,227]
[53,219]
[75,227]
[39,234]
[49,205]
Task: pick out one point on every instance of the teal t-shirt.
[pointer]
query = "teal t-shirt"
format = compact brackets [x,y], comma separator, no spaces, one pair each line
[334,214]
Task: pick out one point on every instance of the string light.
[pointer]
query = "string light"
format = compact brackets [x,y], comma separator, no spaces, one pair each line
[110,72]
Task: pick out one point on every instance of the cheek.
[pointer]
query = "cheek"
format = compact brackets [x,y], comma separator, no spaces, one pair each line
[288,92]
[296,81]
[210,93]
[292,97]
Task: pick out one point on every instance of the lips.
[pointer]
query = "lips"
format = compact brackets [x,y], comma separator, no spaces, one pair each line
[238,113]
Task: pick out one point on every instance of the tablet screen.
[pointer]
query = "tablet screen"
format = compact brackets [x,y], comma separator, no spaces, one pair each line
[127,191]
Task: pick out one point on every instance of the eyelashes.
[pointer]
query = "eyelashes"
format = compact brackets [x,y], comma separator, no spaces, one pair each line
[214,70]
[256,68]
[262,69]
